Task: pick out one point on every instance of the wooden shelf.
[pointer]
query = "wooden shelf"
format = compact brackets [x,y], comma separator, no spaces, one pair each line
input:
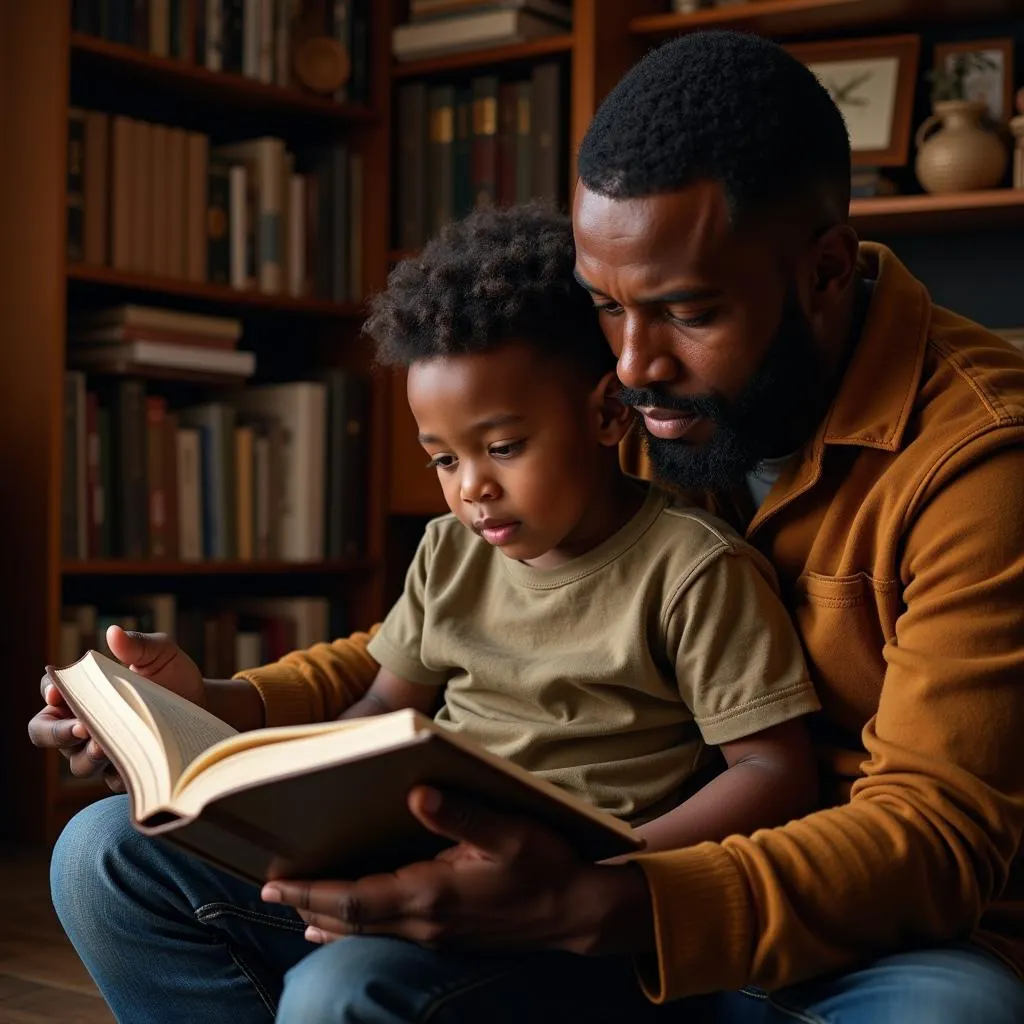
[208,293]
[196,83]
[813,17]
[545,47]
[150,567]
[1001,208]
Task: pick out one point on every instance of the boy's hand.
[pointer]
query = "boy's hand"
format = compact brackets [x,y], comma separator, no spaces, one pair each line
[154,656]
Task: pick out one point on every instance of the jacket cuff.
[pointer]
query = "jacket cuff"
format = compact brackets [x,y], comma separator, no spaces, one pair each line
[702,923]
[284,692]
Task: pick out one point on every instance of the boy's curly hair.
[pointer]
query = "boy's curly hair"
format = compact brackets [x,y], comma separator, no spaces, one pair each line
[498,275]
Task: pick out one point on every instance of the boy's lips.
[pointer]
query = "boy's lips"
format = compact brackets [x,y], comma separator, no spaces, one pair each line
[496,531]
[668,424]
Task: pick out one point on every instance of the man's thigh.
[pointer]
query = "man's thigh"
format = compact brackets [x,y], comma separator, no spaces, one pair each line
[954,985]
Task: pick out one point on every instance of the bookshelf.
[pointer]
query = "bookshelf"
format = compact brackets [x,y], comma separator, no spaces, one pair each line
[47,69]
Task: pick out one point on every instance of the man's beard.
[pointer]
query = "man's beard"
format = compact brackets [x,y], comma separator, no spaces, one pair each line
[771,418]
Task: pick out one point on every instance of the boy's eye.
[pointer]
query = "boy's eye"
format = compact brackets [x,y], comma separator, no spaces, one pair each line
[694,320]
[442,461]
[505,450]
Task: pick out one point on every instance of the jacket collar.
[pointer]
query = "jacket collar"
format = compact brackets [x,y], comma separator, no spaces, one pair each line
[878,389]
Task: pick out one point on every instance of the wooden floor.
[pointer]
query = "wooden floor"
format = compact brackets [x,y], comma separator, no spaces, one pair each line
[42,981]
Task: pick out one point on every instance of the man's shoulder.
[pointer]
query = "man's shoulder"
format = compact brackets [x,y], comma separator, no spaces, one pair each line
[972,380]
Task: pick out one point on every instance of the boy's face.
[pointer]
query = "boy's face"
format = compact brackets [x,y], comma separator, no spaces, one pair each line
[520,447]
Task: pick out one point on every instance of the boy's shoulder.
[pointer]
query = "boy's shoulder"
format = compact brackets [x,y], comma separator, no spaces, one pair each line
[688,537]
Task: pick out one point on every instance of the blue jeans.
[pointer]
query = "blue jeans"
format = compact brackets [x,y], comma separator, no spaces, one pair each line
[170,939]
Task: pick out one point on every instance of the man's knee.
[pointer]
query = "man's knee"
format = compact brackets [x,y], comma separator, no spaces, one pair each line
[959,985]
[364,980]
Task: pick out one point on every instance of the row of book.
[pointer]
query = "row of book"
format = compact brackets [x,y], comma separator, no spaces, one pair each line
[255,38]
[243,633]
[158,200]
[489,141]
[277,472]
[439,27]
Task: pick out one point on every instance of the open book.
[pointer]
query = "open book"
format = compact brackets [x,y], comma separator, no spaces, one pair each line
[310,801]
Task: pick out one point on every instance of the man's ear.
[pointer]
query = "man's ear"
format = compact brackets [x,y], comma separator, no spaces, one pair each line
[612,418]
[833,265]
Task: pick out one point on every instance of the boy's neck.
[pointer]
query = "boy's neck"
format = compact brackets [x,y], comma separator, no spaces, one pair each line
[614,503]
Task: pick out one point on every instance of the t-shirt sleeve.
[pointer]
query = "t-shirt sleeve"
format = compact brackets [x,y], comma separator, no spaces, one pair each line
[738,660]
[398,644]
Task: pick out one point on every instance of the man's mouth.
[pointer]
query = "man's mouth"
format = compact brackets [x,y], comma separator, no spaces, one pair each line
[668,424]
[496,531]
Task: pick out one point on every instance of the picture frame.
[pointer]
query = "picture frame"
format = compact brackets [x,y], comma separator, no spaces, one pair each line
[873,82]
[995,87]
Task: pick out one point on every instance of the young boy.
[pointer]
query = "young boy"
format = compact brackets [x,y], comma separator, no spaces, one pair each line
[566,616]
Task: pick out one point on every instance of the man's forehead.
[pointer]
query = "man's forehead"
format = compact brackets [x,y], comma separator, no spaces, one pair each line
[686,229]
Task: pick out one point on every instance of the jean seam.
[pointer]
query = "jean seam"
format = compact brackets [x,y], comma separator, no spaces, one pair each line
[791,1011]
[441,1001]
[261,991]
[211,911]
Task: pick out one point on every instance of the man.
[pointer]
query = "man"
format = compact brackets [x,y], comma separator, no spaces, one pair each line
[870,444]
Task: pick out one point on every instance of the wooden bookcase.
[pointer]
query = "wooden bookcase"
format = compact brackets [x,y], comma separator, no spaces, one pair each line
[45,66]
[40,57]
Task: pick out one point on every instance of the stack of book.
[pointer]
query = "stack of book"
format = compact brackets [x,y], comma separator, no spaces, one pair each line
[156,200]
[439,27]
[486,142]
[278,472]
[126,339]
[246,37]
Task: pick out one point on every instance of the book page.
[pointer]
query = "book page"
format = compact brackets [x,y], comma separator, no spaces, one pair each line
[184,728]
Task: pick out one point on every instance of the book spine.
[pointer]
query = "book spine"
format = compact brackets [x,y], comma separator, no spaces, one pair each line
[341,30]
[548,179]
[131,480]
[485,140]
[189,470]
[296,260]
[76,185]
[214,35]
[359,82]
[218,223]
[122,186]
[104,499]
[142,195]
[95,183]
[441,187]
[412,165]
[159,207]
[462,200]
[524,146]
[169,455]
[507,137]
[239,219]
[177,171]
[93,478]
[156,416]
[355,228]
[270,187]
[197,156]
[159,25]
[232,35]
[340,279]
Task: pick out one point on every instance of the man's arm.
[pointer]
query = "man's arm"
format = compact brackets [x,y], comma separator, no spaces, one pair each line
[770,778]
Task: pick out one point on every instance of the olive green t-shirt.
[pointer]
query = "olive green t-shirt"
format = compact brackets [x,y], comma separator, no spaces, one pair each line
[612,674]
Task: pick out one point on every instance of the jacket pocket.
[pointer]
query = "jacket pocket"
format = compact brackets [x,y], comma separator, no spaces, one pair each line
[845,623]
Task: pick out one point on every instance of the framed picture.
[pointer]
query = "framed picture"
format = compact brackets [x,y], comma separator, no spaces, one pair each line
[872,81]
[993,85]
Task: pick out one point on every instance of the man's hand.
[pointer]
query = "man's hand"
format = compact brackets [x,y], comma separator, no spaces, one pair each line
[152,655]
[508,884]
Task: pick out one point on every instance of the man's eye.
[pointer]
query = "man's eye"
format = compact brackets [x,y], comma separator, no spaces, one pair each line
[610,308]
[506,450]
[442,462]
[697,320]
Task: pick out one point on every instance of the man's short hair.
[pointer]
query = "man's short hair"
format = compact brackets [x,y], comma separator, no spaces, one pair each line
[497,276]
[727,107]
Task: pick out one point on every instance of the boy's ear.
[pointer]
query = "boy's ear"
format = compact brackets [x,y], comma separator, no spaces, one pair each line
[612,417]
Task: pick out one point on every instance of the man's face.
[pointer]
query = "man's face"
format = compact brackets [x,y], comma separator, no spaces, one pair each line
[513,440]
[713,347]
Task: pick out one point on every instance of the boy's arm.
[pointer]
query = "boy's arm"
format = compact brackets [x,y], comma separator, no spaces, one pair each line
[390,693]
[771,778]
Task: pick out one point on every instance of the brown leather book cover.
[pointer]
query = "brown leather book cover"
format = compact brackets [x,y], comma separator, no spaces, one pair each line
[549,178]
[96,187]
[508,102]
[122,198]
[160,206]
[485,140]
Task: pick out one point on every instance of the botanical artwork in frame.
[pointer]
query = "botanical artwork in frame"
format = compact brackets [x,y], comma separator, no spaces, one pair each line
[872,82]
[992,84]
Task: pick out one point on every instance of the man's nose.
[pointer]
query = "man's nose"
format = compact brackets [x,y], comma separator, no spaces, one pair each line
[643,358]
